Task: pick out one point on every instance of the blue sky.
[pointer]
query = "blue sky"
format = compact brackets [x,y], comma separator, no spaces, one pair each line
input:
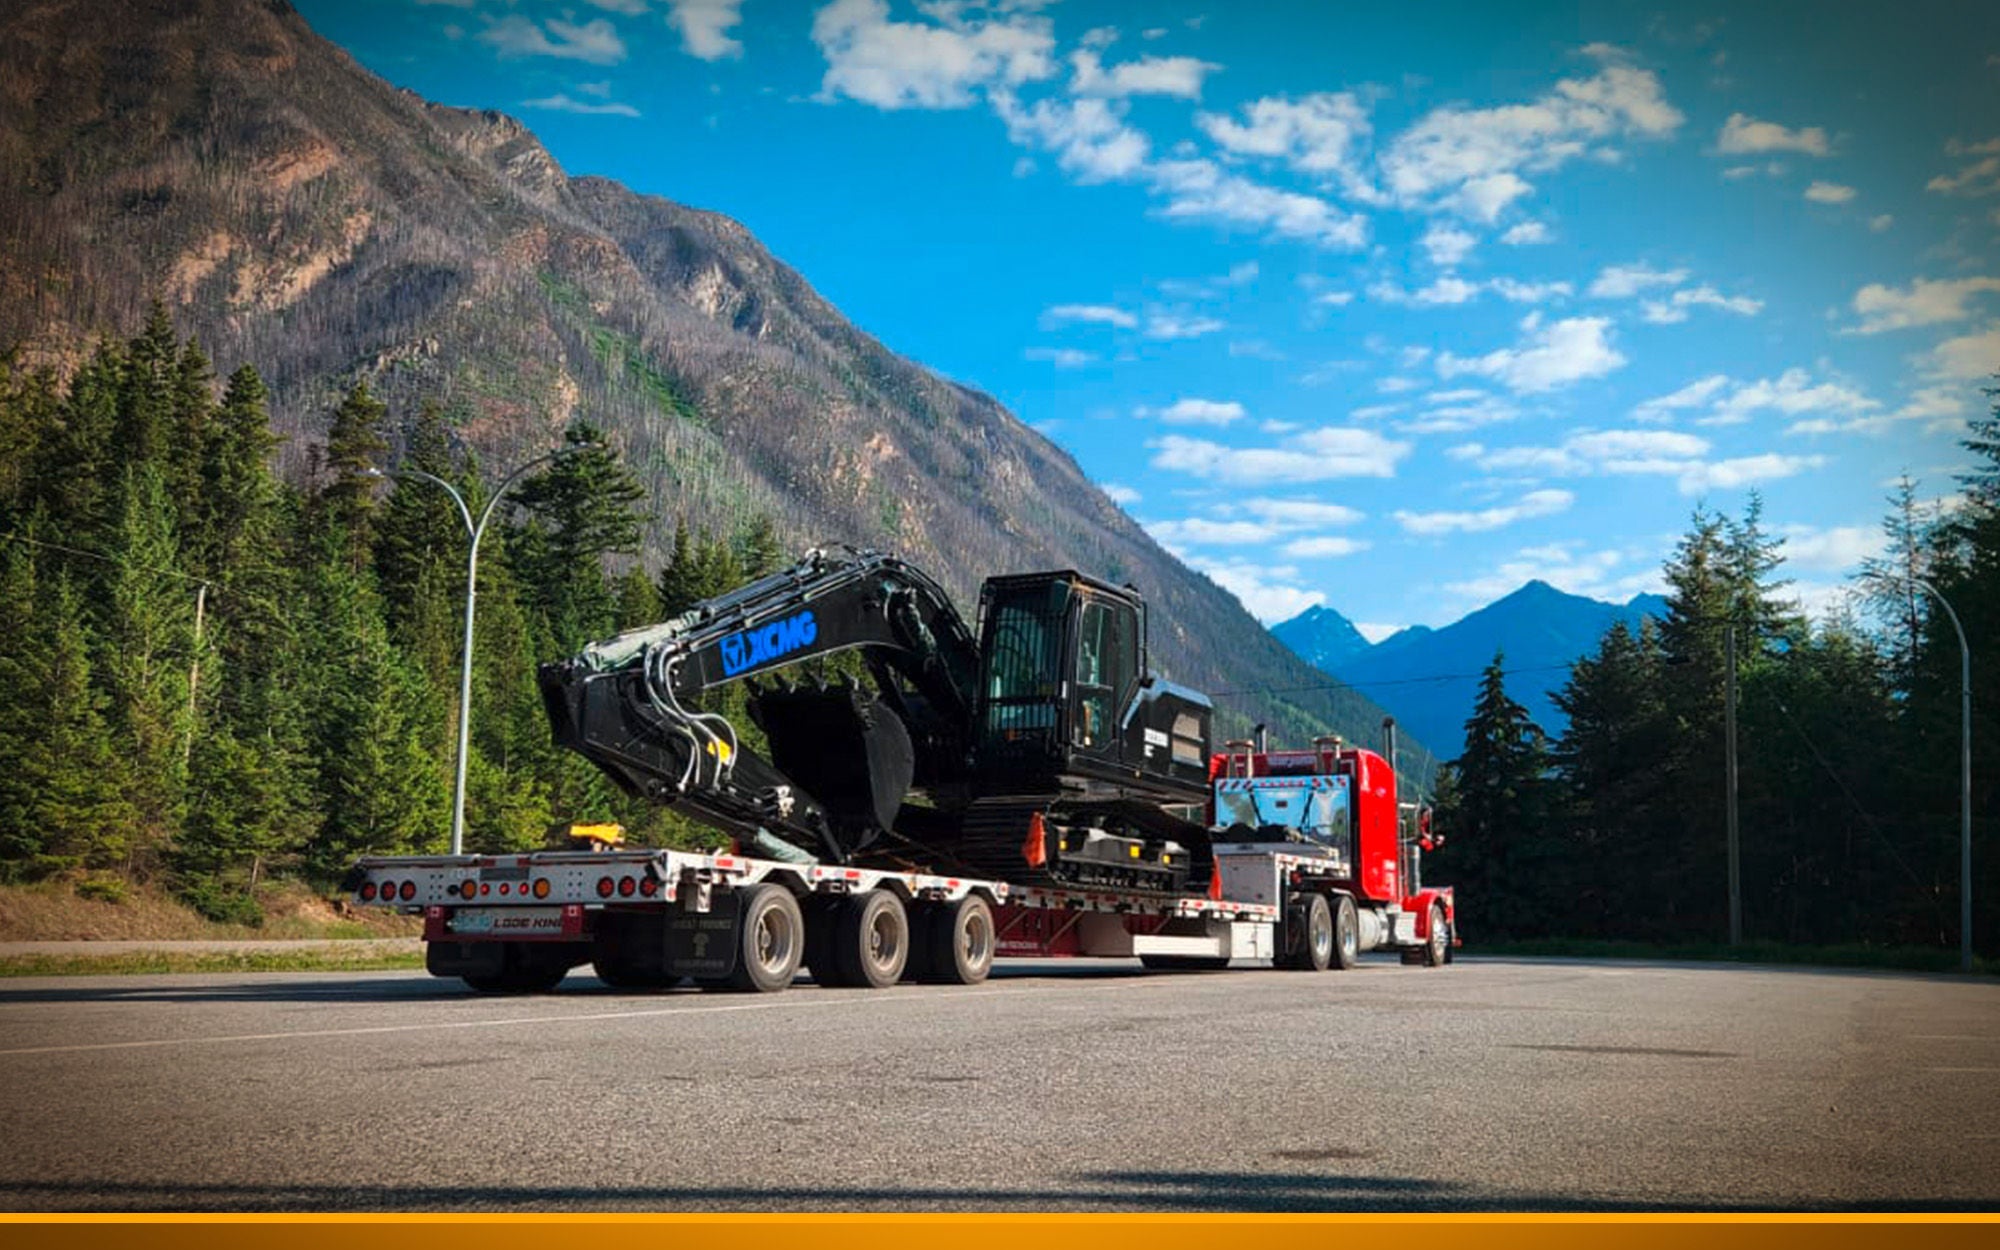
[1387,307]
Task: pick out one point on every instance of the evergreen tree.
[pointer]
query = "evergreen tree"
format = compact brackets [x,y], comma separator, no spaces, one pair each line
[582,508]
[680,577]
[239,497]
[638,600]
[354,446]
[147,389]
[75,478]
[758,550]
[1502,846]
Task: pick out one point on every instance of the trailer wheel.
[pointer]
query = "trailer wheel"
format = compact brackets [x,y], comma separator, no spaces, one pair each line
[771,938]
[958,942]
[1315,952]
[1346,934]
[1437,947]
[872,939]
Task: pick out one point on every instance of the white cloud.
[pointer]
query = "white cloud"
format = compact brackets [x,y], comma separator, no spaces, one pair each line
[1881,222]
[1625,281]
[1177,76]
[1472,159]
[1300,513]
[1315,456]
[1267,592]
[1060,357]
[595,41]
[1210,533]
[1567,566]
[1527,232]
[1446,245]
[1742,135]
[1324,547]
[1675,308]
[1089,314]
[1451,289]
[1925,302]
[1770,169]
[1832,550]
[1549,356]
[1376,631]
[1969,357]
[1318,135]
[1980,177]
[894,65]
[1089,137]
[626,8]
[1792,393]
[1744,471]
[1829,193]
[1119,493]
[1334,299]
[1528,292]
[561,103]
[704,26]
[1161,324]
[1451,411]
[1197,412]
[1201,190]
[1538,503]
[1693,395]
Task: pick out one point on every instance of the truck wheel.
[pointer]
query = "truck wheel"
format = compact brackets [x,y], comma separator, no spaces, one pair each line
[1315,951]
[1185,963]
[1437,947]
[872,939]
[771,938]
[1346,934]
[959,942]
[822,913]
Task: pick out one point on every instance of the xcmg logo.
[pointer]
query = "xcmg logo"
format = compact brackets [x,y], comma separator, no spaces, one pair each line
[748,648]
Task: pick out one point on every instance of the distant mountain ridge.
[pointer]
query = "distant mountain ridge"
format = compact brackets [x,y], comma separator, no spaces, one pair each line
[299,214]
[1321,637]
[1428,678]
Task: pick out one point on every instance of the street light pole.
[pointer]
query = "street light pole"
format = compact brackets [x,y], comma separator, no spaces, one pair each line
[473,533]
[1964,779]
[1729,766]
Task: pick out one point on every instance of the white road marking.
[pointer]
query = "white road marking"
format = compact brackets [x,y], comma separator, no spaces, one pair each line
[1950,1037]
[840,1000]
[1962,1069]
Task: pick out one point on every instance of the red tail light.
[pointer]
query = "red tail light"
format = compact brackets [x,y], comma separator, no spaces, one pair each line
[625,887]
[407,891]
[649,887]
[367,891]
[605,886]
[388,891]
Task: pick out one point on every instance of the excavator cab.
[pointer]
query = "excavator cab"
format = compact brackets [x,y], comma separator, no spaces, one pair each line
[1063,687]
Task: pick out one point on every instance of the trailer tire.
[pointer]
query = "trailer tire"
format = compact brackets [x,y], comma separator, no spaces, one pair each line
[1315,936]
[1346,934]
[872,939]
[771,939]
[958,942]
[1185,963]
[1437,947]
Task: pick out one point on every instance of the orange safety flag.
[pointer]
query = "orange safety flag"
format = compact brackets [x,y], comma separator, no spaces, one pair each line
[1036,848]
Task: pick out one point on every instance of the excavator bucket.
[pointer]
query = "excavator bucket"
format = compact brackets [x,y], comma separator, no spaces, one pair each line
[846,748]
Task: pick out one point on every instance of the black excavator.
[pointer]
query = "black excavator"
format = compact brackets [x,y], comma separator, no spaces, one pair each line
[1042,753]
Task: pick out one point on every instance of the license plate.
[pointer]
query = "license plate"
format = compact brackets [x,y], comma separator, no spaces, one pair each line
[509,921]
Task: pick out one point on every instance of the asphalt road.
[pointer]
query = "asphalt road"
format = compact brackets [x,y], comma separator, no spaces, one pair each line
[1488,1085]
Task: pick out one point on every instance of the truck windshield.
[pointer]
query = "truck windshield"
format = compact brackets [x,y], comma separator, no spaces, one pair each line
[1257,808]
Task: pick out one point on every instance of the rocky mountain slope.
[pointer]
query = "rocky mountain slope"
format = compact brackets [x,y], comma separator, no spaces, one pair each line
[301,214]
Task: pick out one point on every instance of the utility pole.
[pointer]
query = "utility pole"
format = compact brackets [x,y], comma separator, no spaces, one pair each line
[1729,766]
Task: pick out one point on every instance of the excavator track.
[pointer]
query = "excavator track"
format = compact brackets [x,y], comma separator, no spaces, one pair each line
[993,836]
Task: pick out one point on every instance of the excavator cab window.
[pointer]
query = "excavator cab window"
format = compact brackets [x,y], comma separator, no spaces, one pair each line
[1023,657]
[1105,669]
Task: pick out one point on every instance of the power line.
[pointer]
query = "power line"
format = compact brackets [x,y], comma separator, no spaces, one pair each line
[123,564]
[1387,681]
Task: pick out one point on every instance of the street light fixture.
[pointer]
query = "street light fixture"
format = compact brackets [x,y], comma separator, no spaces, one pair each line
[473,532]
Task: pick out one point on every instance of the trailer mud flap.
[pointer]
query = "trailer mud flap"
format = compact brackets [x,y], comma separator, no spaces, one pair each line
[465,959]
[703,944]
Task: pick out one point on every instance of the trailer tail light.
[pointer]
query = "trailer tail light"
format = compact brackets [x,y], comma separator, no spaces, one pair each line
[605,886]
[542,888]
[388,891]
[407,891]
[484,888]
[469,888]
[367,891]
[649,887]
[504,887]
[625,887]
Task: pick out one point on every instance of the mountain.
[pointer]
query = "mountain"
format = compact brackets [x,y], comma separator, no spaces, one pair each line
[300,214]
[1321,637]
[1429,677]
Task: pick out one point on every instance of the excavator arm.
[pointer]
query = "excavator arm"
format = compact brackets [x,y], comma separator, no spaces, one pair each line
[843,757]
